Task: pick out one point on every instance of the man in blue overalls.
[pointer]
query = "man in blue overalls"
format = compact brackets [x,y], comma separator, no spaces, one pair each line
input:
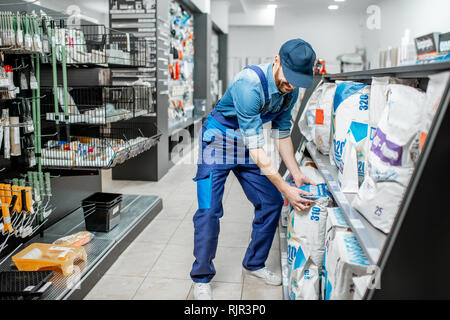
[232,140]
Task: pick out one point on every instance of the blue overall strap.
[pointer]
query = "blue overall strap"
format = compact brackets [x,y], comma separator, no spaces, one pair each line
[263,79]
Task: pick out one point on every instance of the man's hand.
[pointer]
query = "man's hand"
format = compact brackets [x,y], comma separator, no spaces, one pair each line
[300,180]
[294,196]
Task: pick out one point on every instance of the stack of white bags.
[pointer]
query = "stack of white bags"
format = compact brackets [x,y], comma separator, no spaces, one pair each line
[374,135]
[306,243]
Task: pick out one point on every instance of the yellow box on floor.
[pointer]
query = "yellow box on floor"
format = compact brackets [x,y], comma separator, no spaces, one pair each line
[42,256]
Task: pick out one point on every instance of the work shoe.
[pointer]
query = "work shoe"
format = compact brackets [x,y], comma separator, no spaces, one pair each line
[267,276]
[202,291]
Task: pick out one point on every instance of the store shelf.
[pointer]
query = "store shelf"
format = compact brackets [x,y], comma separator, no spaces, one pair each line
[371,239]
[183,125]
[411,71]
[132,16]
[111,157]
[136,213]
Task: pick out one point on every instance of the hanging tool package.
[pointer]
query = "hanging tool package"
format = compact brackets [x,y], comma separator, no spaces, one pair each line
[25,190]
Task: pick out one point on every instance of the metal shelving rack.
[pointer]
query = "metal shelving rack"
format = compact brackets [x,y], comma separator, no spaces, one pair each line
[153,165]
[415,241]
[102,251]
[69,186]
[141,23]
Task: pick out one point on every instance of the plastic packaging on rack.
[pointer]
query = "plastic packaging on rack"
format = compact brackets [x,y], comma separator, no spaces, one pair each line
[315,122]
[6,134]
[344,260]
[15,136]
[350,109]
[392,157]
[78,239]
[41,256]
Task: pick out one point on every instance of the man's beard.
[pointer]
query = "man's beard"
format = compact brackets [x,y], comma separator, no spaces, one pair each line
[284,87]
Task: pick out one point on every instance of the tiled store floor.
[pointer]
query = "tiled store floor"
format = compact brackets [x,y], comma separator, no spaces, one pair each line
[157,264]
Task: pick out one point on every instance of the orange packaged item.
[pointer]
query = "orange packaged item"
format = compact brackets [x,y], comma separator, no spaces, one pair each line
[319,116]
[177,71]
[43,256]
[78,239]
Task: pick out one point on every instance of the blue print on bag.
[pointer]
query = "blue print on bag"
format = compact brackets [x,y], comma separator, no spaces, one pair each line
[315,214]
[292,252]
[363,102]
[355,252]
[340,217]
[338,150]
[300,259]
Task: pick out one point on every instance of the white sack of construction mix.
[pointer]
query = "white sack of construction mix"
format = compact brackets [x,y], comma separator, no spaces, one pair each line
[306,244]
[315,122]
[305,278]
[344,260]
[392,157]
[351,104]
[350,119]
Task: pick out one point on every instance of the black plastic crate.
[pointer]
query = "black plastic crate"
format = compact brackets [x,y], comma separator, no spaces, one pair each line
[102,211]
[24,283]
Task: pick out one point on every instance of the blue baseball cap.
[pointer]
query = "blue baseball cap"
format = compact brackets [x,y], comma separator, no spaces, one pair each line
[297,59]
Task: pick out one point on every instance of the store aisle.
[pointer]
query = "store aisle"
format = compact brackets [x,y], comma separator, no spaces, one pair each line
[157,264]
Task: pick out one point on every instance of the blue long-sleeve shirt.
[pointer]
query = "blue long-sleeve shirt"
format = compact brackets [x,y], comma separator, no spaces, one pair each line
[244,99]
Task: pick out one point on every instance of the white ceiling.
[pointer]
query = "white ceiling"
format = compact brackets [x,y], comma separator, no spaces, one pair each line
[244,6]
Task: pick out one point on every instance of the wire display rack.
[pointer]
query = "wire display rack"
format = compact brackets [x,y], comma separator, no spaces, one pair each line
[99,148]
[19,33]
[97,105]
[126,49]
[97,44]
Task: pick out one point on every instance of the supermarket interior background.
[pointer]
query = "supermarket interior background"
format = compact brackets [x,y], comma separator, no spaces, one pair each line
[102,104]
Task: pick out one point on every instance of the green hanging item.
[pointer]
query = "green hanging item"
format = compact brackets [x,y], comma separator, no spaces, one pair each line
[38,112]
[64,74]
[55,75]
[33,106]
